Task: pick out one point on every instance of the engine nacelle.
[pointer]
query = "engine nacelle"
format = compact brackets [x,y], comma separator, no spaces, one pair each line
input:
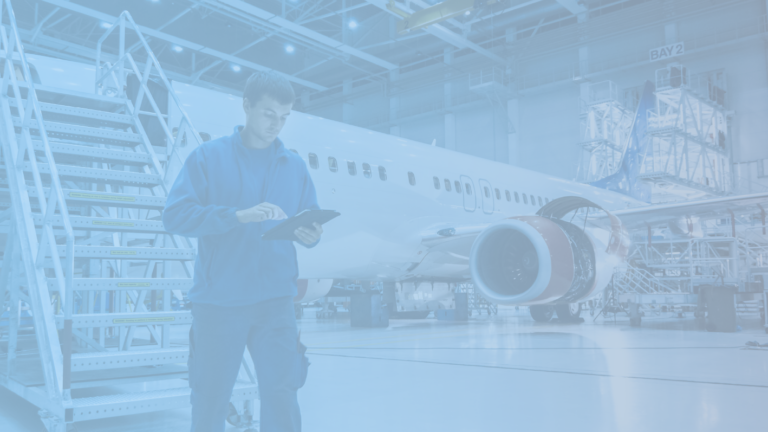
[537,260]
[312,289]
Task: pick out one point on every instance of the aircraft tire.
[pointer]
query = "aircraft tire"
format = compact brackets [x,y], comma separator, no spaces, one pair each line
[568,312]
[542,313]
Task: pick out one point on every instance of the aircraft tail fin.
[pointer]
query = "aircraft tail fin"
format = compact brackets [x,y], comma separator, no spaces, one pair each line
[626,180]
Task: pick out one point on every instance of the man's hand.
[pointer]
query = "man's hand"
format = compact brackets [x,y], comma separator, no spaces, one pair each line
[309,235]
[260,213]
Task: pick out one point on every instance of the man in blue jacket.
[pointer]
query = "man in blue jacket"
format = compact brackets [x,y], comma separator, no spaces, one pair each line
[229,192]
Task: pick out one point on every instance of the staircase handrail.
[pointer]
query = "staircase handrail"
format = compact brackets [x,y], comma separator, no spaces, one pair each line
[14,49]
[123,21]
[642,279]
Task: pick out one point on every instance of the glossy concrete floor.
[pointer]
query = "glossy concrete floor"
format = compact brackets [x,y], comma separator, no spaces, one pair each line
[507,373]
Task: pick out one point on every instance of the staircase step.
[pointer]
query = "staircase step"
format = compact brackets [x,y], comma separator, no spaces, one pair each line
[60,96]
[144,402]
[111,199]
[79,197]
[96,154]
[131,253]
[122,359]
[100,176]
[125,284]
[127,319]
[83,133]
[105,224]
[71,114]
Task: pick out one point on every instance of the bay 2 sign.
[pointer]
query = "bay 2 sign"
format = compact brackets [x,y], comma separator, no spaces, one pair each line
[668,51]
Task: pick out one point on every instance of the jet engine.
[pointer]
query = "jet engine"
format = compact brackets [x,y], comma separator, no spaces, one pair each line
[310,290]
[542,259]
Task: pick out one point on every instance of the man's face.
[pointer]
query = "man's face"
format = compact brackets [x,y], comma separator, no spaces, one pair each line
[266,117]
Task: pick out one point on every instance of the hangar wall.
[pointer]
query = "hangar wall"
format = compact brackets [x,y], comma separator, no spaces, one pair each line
[726,35]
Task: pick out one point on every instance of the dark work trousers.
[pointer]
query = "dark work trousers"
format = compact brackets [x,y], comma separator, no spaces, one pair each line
[217,343]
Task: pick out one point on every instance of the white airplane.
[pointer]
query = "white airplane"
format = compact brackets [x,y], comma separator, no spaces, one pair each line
[413,213]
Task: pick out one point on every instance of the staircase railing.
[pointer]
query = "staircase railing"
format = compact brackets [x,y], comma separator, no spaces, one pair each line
[35,251]
[639,281]
[118,72]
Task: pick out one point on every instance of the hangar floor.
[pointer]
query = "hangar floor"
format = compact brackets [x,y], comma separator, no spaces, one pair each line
[507,373]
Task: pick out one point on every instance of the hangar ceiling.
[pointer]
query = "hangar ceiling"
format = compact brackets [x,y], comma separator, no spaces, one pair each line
[318,44]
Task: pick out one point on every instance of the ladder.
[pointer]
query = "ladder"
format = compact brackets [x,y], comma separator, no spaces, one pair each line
[91,285]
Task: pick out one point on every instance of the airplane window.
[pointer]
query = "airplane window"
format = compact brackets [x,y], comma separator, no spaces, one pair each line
[517,198]
[366,170]
[525,198]
[533,200]
[411,178]
[469,188]
[498,194]
[487,192]
[509,195]
[541,203]
[458,186]
[447,185]
[437,182]
[313,161]
[382,173]
[352,168]
[332,165]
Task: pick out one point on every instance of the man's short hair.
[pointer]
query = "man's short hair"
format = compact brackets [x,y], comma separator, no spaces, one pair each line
[269,84]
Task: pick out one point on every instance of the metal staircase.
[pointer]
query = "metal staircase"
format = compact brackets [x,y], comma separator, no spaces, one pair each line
[635,280]
[86,256]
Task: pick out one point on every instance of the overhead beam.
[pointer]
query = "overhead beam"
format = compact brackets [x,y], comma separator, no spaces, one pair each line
[441,32]
[574,6]
[298,29]
[182,42]
[503,11]
[57,48]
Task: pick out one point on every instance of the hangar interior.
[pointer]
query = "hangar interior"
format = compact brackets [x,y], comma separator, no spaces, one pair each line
[94,320]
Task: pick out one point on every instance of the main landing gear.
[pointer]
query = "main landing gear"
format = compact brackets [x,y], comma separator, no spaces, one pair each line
[565,312]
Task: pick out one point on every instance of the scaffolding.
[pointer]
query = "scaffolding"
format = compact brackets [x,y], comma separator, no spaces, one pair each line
[689,154]
[605,128]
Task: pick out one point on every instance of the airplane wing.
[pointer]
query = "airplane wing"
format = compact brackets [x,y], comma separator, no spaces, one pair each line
[649,215]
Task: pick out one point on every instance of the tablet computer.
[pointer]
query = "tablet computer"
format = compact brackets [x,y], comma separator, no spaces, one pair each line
[284,231]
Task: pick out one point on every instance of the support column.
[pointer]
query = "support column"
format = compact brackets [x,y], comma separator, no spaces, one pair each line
[670,33]
[347,107]
[513,139]
[449,120]
[511,34]
[394,104]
